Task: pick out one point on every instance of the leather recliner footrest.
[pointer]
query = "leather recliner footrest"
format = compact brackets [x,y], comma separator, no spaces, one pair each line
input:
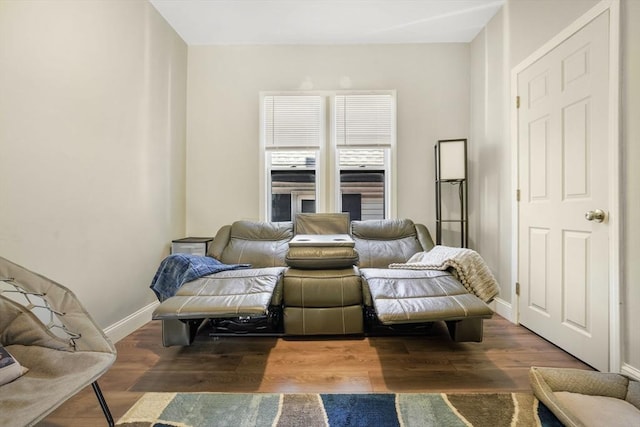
[410,296]
[322,288]
[322,302]
[323,321]
[224,294]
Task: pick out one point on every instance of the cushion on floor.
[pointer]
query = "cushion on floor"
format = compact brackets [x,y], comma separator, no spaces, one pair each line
[587,398]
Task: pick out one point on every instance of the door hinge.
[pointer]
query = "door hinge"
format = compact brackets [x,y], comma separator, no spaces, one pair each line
[518,101]
[517,288]
[517,195]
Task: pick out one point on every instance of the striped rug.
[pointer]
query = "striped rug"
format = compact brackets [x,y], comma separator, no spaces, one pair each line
[311,410]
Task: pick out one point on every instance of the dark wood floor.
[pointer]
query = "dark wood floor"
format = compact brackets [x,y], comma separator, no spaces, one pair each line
[428,363]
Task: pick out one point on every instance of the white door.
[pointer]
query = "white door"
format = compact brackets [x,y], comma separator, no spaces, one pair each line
[563,150]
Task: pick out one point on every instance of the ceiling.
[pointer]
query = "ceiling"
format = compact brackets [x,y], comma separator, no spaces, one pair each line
[231,22]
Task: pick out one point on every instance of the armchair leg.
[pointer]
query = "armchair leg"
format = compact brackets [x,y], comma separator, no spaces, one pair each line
[103,403]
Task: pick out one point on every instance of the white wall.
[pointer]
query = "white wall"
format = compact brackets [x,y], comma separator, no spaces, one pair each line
[527,25]
[432,83]
[92,157]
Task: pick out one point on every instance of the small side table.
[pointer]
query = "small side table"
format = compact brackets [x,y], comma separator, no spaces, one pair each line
[191,245]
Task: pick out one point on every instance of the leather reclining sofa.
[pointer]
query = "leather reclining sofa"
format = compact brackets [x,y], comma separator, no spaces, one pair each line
[321,275]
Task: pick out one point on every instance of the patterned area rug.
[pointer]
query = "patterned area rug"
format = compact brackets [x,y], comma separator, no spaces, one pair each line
[311,410]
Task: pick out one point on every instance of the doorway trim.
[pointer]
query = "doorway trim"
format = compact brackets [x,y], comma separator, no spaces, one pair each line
[615,211]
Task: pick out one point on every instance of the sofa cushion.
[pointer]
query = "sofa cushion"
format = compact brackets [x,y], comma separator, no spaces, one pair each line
[261,244]
[383,242]
[383,229]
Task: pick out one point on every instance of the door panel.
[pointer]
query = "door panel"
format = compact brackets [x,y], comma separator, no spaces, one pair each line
[538,159]
[575,125]
[539,252]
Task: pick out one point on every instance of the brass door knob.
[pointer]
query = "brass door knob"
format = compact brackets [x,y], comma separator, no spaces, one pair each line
[596,215]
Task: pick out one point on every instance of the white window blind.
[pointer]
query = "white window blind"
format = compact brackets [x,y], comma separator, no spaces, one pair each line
[364,119]
[291,159]
[293,120]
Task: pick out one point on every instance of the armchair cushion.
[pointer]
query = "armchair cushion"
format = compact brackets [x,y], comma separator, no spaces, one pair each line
[599,410]
[587,398]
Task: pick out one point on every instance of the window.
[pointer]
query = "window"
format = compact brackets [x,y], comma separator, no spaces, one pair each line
[307,138]
[362,182]
[292,181]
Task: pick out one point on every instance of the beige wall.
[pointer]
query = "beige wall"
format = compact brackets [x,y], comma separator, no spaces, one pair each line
[527,25]
[92,157]
[531,23]
[432,83]
[490,188]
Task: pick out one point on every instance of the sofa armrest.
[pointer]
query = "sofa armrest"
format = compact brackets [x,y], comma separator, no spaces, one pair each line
[220,241]
[424,237]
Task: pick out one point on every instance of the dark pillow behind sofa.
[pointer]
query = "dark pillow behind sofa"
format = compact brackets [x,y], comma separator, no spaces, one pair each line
[385,241]
[261,244]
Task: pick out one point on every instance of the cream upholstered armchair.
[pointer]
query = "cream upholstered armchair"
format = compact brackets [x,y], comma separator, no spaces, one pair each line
[46,329]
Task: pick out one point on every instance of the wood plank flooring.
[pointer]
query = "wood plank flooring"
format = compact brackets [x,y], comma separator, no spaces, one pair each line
[428,363]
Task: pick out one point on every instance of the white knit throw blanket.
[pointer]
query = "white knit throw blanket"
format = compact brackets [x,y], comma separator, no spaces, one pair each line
[467,264]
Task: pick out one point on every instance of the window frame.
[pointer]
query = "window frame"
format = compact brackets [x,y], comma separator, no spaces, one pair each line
[327,168]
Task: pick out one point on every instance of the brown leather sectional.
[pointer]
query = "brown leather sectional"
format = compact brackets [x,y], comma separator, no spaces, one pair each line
[321,275]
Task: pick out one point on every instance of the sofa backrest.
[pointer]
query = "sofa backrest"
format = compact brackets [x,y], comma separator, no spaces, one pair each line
[261,244]
[322,223]
[385,241]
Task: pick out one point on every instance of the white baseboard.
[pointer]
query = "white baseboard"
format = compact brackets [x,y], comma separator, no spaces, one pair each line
[503,308]
[630,371]
[124,327]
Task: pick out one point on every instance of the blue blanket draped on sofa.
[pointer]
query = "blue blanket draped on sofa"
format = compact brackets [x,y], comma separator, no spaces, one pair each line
[178,269]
